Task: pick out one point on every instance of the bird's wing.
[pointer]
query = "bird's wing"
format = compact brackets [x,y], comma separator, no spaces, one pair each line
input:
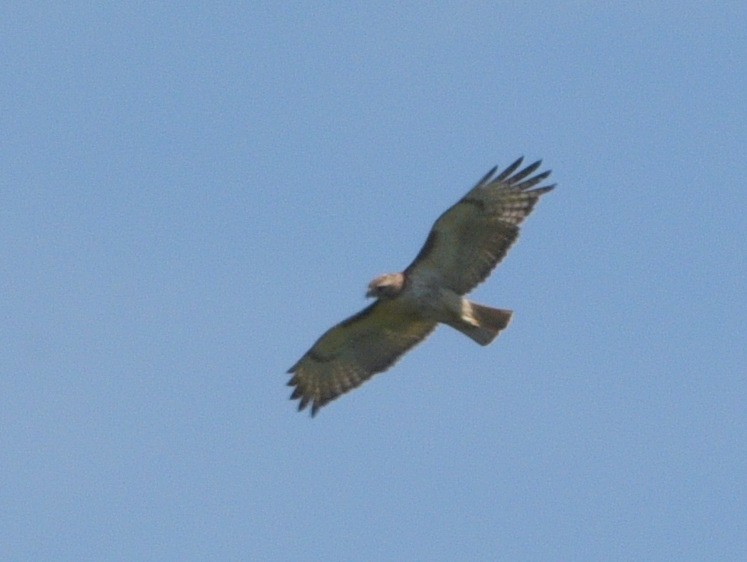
[354,350]
[470,238]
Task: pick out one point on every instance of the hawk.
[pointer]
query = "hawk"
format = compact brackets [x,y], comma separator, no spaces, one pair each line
[464,245]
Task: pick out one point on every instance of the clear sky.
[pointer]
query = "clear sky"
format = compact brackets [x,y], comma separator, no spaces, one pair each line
[190,196]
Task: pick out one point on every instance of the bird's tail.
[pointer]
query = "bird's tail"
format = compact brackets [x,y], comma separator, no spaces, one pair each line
[482,323]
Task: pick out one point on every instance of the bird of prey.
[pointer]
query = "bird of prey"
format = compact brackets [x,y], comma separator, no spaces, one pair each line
[464,245]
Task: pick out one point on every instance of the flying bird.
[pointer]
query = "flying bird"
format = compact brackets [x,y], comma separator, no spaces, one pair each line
[464,245]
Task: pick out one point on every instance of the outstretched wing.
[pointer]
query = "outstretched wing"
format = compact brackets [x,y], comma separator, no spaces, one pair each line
[356,349]
[473,236]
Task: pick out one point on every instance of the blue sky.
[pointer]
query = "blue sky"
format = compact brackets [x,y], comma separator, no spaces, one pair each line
[191,195]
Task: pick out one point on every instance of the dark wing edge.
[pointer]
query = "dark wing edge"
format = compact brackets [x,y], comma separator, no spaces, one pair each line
[351,352]
[514,180]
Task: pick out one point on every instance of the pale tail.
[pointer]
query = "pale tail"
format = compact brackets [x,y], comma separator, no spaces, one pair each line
[490,322]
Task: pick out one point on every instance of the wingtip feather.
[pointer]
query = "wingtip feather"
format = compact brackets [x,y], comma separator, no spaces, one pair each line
[531,182]
[486,178]
[510,170]
[303,402]
[529,170]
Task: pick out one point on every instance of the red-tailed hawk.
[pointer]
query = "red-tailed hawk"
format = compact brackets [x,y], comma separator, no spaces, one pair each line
[463,247]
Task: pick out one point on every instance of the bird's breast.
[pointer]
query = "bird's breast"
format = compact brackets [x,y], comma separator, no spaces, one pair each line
[430,298]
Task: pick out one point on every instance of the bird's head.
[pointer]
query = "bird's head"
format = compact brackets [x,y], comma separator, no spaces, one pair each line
[386,286]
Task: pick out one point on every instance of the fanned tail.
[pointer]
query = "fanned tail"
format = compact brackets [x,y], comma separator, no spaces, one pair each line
[483,323]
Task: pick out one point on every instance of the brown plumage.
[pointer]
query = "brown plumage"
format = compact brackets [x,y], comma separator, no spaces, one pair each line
[464,245]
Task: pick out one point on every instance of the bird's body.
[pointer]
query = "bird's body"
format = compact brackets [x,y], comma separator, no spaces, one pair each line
[464,245]
[424,294]
[436,303]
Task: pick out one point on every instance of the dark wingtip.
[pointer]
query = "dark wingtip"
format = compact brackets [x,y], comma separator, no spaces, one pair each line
[303,402]
[529,170]
[486,177]
[531,182]
[546,188]
[294,368]
[534,165]
[510,170]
